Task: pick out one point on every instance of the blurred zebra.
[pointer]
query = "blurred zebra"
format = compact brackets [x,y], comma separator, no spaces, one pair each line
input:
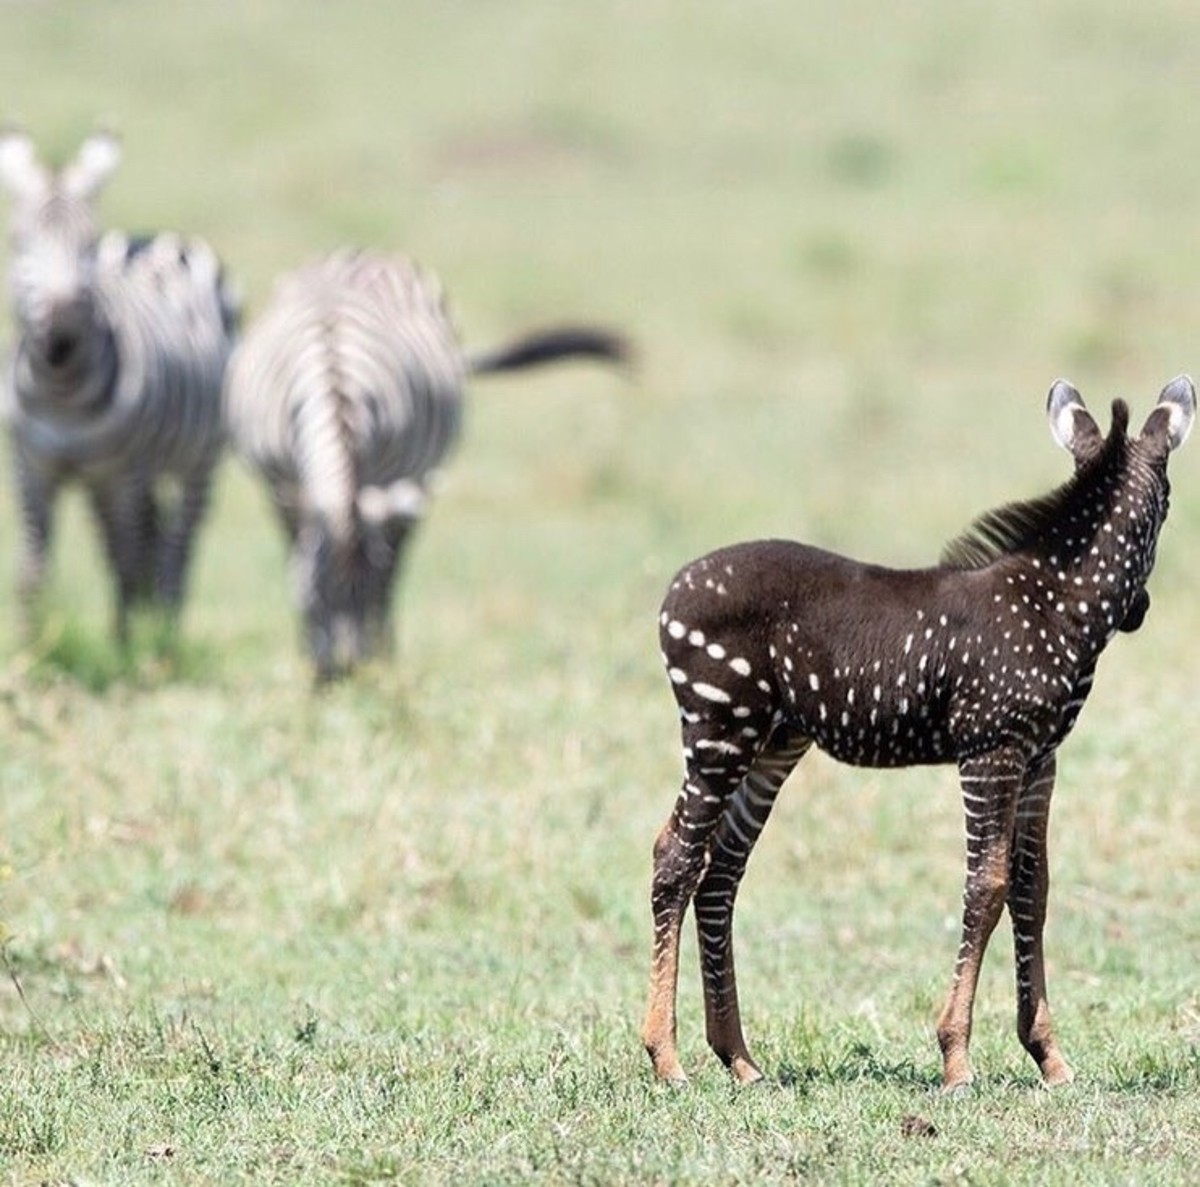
[115,377]
[345,396]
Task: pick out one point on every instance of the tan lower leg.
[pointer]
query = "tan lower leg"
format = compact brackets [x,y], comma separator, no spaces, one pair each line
[658,1031]
[954,1026]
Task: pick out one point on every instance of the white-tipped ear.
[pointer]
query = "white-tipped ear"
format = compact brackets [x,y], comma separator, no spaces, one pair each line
[21,173]
[403,500]
[1178,398]
[1071,424]
[94,163]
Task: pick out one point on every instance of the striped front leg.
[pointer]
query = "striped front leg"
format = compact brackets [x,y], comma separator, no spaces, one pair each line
[1029,886]
[741,823]
[37,493]
[178,540]
[990,786]
[125,512]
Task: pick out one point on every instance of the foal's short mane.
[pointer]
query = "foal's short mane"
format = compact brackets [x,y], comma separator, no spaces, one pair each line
[1016,526]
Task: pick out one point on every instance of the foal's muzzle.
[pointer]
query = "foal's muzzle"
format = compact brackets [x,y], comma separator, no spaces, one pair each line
[1137,612]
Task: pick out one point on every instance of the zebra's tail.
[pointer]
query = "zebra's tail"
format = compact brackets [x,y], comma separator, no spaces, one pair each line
[550,345]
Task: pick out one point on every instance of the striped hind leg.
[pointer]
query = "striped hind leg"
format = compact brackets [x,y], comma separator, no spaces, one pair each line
[1029,884]
[742,820]
[681,853]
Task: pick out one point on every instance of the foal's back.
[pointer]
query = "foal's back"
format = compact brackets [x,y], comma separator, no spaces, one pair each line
[869,662]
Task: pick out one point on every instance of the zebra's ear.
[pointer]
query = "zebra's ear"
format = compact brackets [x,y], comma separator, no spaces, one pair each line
[403,501]
[94,163]
[21,173]
[1071,424]
[1174,413]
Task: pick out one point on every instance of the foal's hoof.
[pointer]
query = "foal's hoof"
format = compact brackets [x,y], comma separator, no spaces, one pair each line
[744,1072]
[959,1088]
[957,1075]
[672,1075]
[1056,1073]
[664,1058]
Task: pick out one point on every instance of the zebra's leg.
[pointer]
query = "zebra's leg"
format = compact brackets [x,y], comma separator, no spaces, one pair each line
[1029,884]
[120,511]
[681,852]
[284,500]
[177,539]
[147,526]
[990,786]
[37,491]
[742,821]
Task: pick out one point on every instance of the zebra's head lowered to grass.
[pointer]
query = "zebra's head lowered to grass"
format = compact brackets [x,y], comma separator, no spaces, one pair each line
[346,396]
[343,568]
[54,234]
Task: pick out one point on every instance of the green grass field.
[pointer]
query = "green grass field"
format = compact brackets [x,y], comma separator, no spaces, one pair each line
[399,931]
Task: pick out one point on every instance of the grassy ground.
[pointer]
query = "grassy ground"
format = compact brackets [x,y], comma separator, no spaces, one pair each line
[399,931]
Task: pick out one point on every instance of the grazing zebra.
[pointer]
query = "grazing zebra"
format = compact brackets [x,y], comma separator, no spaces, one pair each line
[345,396]
[984,661]
[116,374]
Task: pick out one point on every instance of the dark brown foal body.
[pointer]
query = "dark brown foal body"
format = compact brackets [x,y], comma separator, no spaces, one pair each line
[985,661]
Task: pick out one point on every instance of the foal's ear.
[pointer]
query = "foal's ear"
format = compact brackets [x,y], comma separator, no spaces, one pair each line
[1071,424]
[21,173]
[1174,412]
[94,163]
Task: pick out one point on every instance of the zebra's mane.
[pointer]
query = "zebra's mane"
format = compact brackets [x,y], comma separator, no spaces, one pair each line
[1016,526]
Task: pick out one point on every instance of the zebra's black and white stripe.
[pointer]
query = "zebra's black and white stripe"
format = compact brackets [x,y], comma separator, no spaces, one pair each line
[346,396]
[116,374]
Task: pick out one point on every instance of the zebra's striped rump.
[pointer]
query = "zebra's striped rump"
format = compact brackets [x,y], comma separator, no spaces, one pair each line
[346,396]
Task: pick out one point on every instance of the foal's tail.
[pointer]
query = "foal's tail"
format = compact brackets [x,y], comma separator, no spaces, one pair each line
[550,345]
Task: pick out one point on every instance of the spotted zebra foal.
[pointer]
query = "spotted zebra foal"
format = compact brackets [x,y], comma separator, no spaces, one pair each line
[346,397]
[115,378]
[984,661]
